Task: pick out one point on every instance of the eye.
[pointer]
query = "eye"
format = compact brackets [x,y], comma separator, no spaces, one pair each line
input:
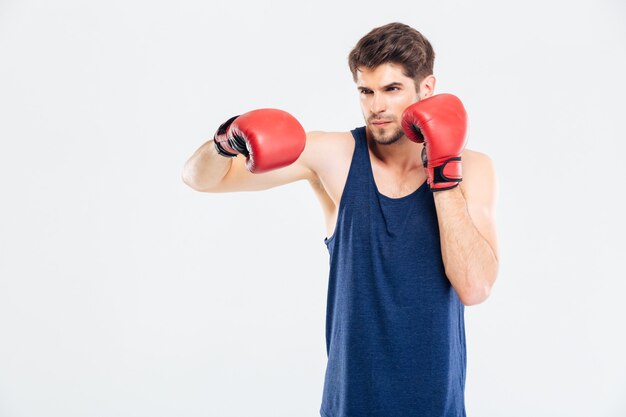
[366,92]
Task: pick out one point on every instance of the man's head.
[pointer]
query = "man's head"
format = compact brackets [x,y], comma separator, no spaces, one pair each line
[393,68]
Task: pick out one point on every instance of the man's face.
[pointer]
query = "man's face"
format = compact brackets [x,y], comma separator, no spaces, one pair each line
[385,92]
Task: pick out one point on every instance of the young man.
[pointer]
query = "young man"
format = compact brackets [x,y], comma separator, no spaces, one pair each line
[410,224]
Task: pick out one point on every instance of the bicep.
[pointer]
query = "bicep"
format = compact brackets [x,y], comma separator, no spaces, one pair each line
[480,188]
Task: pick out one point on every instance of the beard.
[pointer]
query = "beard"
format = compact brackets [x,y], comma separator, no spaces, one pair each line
[386,135]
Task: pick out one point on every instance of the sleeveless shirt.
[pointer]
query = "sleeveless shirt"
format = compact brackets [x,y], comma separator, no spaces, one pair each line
[395,330]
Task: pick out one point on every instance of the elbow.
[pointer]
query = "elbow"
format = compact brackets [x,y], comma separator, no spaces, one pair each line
[474,296]
[190,181]
[478,285]
[186,175]
[187,180]
[476,293]
[196,182]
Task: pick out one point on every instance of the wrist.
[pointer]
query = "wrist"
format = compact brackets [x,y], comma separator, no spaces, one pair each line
[221,141]
[221,151]
[445,175]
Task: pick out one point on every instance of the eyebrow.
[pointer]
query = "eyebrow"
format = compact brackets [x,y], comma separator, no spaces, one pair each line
[393,84]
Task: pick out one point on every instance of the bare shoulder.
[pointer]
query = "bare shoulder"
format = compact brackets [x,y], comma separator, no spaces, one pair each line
[329,140]
[477,166]
[480,183]
[480,189]
[476,160]
[328,151]
[329,154]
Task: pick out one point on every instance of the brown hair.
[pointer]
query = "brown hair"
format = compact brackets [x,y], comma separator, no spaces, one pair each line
[394,43]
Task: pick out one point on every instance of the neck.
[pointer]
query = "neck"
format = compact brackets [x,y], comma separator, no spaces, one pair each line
[403,155]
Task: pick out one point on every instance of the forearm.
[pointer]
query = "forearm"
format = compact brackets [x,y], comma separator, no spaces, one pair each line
[205,168]
[470,263]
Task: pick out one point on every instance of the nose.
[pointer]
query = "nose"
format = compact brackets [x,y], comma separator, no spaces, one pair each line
[378,104]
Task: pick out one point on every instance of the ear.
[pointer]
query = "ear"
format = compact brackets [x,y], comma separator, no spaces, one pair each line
[427,87]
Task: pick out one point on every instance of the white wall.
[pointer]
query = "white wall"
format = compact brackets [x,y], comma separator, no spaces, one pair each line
[122,294]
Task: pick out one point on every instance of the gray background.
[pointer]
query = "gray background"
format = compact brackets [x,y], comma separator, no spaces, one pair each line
[125,293]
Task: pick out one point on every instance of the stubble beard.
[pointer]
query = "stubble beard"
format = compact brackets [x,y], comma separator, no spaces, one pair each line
[386,136]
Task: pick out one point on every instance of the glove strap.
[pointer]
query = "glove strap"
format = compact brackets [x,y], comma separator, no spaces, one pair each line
[446,176]
[220,136]
[222,151]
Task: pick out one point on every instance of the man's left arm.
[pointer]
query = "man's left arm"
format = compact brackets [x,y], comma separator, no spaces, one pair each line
[466,216]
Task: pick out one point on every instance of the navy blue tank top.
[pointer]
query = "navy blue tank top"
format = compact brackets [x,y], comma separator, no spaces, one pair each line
[395,330]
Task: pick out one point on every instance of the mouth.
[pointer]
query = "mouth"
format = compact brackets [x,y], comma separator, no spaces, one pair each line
[381,122]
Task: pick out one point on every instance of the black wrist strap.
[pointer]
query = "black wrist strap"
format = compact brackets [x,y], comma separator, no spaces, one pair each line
[221,150]
[221,131]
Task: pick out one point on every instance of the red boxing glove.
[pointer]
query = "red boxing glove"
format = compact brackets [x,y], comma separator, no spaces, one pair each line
[268,138]
[440,122]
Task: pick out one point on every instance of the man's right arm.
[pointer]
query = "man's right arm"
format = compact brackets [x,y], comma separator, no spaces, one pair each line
[208,171]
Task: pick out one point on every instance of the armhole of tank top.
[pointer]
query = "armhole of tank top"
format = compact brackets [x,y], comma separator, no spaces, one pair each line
[343,192]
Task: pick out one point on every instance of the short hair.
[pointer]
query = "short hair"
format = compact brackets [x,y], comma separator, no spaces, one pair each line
[394,43]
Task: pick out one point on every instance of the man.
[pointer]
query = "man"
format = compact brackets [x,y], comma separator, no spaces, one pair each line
[410,223]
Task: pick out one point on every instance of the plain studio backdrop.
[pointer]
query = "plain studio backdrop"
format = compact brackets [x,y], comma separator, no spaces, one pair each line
[123,292]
